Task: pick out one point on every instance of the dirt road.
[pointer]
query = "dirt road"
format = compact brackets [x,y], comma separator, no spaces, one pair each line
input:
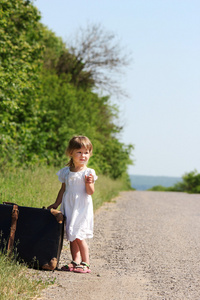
[146,247]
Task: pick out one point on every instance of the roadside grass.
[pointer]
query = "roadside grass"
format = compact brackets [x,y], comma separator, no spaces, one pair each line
[15,283]
[106,189]
[38,187]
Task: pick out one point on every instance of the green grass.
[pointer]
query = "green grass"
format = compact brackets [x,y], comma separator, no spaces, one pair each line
[106,189]
[38,187]
[35,188]
[15,283]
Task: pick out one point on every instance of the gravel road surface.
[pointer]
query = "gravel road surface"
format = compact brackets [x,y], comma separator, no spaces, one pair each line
[146,246]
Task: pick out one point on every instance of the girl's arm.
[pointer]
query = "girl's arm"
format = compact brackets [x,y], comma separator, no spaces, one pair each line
[59,197]
[89,184]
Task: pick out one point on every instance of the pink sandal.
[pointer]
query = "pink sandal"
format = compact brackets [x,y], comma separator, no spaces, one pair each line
[82,268]
[67,268]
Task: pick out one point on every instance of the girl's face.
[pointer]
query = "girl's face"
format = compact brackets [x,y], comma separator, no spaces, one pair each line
[80,156]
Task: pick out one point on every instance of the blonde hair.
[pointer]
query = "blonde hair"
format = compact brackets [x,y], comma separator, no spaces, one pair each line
[77,142]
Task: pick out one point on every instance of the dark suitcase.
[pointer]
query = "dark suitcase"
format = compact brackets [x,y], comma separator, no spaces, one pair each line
[35,234]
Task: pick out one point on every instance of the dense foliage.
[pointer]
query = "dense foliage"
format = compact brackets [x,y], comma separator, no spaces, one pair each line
[47,96]
[190,184]
[20,54]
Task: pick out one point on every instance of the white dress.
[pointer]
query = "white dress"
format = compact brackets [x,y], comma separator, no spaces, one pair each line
[76,204]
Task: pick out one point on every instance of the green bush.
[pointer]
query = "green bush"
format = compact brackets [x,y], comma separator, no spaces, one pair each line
[20,60]
[190,184]
[41,105]
[158,188]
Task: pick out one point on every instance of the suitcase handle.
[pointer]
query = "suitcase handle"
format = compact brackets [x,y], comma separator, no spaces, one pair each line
[9,203]
[14,218]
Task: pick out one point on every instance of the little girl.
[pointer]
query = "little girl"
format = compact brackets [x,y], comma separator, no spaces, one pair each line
[76,202]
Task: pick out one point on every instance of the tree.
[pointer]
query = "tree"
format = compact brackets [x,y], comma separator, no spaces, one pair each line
[20,55]
[98,53]
[190,183]
[47,96]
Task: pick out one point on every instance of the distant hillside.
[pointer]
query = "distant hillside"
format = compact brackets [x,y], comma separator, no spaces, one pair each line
[142,182]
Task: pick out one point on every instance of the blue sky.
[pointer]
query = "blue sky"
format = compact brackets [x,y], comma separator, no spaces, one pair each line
[161,117]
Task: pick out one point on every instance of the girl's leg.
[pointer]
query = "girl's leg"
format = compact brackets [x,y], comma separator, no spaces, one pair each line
[84,250]
[75,252]
[76,257]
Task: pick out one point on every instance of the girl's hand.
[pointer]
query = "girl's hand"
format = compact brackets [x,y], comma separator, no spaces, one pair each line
[89,179]
[89,184]
[54,206]
[59,197]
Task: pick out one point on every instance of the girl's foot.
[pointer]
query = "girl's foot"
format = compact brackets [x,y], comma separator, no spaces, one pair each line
[70,267]
[82,268]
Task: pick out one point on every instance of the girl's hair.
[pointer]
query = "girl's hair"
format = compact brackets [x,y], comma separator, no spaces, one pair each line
[77,142]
